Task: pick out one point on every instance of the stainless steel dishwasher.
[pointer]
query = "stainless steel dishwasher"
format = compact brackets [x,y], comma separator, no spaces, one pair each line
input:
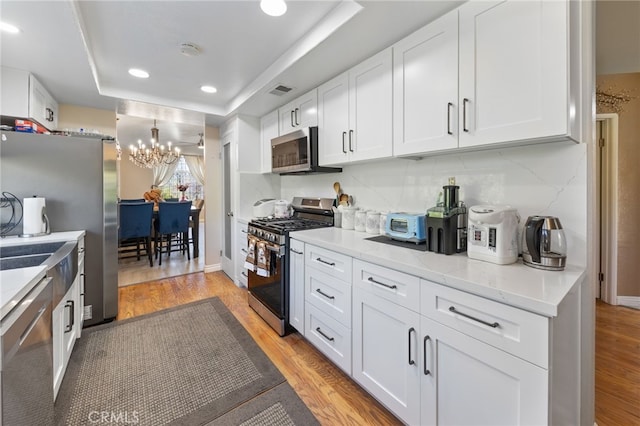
[27,360]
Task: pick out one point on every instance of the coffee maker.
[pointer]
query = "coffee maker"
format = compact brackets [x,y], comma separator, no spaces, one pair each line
[447,223]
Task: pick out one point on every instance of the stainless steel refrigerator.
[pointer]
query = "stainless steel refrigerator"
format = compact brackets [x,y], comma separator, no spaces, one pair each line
[78,178]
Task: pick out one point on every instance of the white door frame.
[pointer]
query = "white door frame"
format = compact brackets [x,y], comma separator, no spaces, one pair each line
[607,207]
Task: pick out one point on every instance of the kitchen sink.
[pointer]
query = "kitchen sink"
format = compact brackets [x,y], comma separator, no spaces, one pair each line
[30,249]
[23,261]
[24,256]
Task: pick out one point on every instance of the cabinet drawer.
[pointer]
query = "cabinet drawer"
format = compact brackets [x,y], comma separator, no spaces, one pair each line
[394,286]
[329,336]
[521,333]
[329,294]
[335,264]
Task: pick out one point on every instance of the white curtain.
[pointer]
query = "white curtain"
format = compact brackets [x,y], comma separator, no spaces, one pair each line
[195,163]
[162,174]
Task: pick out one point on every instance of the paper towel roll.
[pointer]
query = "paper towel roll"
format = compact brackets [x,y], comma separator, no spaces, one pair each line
[33,221]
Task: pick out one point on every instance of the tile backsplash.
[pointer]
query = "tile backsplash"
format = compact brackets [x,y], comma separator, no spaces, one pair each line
[545,179]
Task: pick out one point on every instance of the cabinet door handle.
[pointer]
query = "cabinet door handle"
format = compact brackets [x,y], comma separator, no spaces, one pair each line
[325,294]
[424,347]
[296,251]
[325,262]
[244,231]
[329,338]
[244,274]
[411,330]
[449,105]
[393,287]
[296,115]
[488,324]
[465,101]
[292,112]
[344,135]
[70,304]
[350,137]
[243,250]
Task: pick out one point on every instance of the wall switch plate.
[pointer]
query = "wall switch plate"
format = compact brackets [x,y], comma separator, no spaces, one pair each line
[88,312]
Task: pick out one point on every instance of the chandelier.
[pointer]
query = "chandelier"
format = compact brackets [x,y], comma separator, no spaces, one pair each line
[156,155]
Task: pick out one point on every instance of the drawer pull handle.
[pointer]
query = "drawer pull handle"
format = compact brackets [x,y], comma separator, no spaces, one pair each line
[324,294]
[411,330]
[393,287]
[488,324]
[325,262]
[424,347]
[243,250]
[331,339]
[244,274]
[295,251]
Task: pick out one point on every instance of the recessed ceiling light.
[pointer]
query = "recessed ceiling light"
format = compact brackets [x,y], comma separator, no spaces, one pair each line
[8,28]
[208,89]
[138,73]
[273,7]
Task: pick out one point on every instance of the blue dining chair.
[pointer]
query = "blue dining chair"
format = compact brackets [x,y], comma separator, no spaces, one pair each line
[173,218]
[135,228]
[132,200]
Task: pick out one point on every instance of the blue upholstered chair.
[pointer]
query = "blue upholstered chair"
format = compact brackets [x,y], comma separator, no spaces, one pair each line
[132,200]
[173,218]
[135,228]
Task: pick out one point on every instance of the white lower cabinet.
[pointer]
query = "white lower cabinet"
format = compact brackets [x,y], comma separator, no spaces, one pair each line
[241,247]
[386,353]
[65,331]
[468,382]
[296,285]
[329,336]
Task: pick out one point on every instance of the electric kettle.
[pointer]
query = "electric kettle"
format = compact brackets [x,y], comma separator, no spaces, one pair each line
[544,245]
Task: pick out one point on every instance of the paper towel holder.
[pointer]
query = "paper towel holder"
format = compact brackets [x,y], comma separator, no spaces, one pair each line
[45,219]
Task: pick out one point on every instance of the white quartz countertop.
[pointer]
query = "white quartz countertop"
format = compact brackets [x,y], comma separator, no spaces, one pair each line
[517,285]
[15,284]
[14,240]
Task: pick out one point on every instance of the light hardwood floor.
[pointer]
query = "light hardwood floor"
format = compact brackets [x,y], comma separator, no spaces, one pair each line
[329,393]
[336,400]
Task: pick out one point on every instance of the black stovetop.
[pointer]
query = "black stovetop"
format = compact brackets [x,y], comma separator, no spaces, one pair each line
[283,225]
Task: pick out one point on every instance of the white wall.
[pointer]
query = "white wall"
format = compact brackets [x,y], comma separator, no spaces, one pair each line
[254,187]
[547,179]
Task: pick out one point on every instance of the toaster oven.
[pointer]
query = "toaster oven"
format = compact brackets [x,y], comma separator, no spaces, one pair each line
[406,227]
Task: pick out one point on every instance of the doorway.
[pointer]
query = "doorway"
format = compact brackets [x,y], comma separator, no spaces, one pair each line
[227,208]
[607,201]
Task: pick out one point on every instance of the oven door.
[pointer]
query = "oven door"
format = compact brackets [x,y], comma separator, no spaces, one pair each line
[268,294]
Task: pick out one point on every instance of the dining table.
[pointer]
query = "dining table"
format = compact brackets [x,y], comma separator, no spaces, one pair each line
[194,215]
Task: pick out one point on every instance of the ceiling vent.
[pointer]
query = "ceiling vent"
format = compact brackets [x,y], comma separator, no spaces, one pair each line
[280,90]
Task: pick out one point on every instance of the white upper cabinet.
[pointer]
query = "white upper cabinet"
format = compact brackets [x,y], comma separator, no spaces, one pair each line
[513,71]
[299,113]
[425,92]
[268,131]
[355,113]
[490,72]
[247,143]
[23,96]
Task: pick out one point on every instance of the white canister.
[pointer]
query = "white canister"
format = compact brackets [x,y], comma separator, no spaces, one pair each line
[349,217]
[383,223]
[361,221]
[373,222]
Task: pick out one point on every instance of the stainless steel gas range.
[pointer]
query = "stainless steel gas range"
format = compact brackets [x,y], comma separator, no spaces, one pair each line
[268,261]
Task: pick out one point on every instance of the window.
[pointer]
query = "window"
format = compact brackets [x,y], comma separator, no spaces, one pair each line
[182,176]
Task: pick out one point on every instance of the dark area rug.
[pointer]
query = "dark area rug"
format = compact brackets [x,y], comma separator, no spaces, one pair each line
[186,365]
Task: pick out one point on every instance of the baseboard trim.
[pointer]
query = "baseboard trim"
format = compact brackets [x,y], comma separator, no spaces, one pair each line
[630,301]
[212,268]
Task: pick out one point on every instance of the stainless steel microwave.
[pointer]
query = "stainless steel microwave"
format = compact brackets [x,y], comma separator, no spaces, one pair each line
[297,153]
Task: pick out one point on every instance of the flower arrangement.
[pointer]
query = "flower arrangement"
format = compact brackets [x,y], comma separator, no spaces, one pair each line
[182,187]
